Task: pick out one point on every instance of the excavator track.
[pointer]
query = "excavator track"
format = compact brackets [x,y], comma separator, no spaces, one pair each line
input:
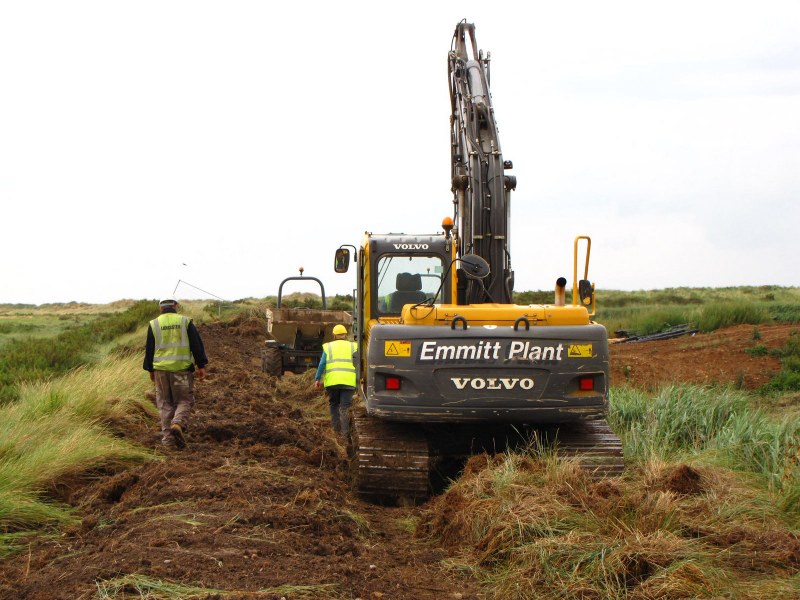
[594,445]
[392,461]
[388,460]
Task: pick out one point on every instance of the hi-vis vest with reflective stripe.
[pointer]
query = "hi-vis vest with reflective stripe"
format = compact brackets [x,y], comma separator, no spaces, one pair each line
[172,342]
[339,368]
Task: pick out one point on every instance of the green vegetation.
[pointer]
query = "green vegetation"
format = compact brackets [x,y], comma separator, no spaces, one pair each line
[255,307]
[55,428]
[788,379]
[37,325]
[646,312]
[721,425]
[35,358]
[58,430]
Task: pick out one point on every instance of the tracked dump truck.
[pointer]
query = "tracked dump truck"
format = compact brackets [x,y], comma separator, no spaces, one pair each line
[448,365]
[295,335]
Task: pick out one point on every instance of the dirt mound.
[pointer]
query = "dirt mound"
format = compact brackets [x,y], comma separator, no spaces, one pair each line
[682,480]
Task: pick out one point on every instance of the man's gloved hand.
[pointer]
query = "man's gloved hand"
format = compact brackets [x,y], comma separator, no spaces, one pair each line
[317,384]
[200,373]
[152,375]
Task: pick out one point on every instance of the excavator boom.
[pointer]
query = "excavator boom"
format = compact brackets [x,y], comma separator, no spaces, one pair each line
[481,189]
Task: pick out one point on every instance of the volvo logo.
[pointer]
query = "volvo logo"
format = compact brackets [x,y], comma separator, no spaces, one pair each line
[492,383]
[411,246]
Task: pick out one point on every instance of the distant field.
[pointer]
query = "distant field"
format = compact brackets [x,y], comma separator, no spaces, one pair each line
[18,321]
[38,342]
[708,309]
[38,325]
[641,311]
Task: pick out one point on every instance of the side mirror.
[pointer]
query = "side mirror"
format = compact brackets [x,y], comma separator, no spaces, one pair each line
[341,262]
[474,266]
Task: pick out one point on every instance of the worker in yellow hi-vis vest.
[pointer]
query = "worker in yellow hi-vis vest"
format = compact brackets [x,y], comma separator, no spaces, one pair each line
[337,372]
[174,355]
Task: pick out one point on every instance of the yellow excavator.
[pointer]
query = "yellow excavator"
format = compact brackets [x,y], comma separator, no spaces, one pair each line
[448,365]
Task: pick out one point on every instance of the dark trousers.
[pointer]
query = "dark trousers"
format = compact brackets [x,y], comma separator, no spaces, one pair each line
[340,399]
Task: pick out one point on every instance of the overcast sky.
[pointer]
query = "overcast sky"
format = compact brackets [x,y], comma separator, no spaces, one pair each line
[226,144]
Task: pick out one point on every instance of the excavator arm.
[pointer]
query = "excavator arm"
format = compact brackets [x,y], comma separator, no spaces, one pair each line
[481,189]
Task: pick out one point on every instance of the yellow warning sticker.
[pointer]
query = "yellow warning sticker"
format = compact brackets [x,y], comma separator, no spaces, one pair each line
[396,348]
[579,351]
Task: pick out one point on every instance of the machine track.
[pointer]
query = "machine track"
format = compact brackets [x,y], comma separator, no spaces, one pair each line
[391,461]
[593,444]
[388,460]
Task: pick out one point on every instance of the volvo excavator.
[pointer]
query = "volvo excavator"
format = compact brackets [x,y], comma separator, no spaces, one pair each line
[448,365]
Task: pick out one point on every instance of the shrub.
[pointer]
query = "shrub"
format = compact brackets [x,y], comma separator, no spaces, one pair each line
[788,378]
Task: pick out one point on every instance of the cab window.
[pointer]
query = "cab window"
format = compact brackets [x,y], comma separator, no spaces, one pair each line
[407,280]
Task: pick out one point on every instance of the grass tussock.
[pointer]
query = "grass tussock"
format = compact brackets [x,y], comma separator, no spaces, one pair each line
[59,430]
[531,527]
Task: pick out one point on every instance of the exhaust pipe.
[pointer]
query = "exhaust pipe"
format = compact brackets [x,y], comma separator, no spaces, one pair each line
[561,292]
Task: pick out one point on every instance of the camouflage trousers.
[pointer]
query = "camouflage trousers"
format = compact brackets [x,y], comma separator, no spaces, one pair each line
[175,399]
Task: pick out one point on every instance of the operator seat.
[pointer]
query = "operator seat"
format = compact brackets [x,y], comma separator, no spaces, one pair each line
[409,291]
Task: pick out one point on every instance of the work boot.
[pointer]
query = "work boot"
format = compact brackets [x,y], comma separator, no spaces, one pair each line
[177,433]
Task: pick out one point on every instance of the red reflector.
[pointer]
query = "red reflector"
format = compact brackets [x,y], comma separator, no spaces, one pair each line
[392,383]
[586,384]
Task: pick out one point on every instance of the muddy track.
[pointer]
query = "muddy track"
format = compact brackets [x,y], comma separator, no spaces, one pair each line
[258,500]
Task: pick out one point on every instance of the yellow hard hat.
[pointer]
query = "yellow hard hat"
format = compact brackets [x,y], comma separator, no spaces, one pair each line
[340,330]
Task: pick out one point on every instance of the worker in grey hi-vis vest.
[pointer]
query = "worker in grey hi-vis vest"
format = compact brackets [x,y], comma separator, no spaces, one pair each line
[174,355]
[337,372]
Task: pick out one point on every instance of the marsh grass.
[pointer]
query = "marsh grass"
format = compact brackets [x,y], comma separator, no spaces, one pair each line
[37,325]
[59,430]
[531,527]
[646,312]
[721,424]
[35,358]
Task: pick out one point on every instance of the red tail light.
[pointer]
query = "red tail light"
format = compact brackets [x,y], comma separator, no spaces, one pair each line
[392,382]
[586,384]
